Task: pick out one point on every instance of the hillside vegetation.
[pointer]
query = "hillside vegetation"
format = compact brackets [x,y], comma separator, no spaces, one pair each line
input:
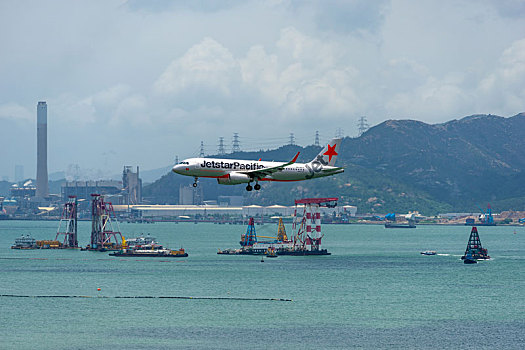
[399,165]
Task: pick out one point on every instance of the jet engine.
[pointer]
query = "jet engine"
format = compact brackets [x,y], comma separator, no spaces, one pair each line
[234,179]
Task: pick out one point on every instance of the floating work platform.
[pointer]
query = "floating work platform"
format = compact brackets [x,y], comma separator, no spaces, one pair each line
[306,239]
[230,252]
[147,246]
[474,249]
[28,242]
[161,253]
[305,252]
[106,248]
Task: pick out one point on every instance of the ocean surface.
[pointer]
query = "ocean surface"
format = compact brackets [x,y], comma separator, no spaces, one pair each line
[375,291]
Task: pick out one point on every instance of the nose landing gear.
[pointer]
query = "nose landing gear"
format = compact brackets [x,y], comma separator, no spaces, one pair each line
[195,183]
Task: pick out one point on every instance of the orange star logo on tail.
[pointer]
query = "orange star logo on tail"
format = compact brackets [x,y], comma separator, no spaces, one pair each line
[331,152]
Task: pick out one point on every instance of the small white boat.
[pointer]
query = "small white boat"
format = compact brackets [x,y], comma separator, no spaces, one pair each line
[429,252]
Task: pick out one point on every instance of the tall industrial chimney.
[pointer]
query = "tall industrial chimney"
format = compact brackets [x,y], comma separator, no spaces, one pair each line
[42,189]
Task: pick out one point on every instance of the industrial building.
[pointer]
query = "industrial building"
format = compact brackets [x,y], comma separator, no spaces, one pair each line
[84,189]
[132,185]
[27,190]
[126,192]
[189,195]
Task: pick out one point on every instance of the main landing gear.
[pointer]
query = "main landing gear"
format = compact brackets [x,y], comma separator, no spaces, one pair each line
[257,187]
[195,183]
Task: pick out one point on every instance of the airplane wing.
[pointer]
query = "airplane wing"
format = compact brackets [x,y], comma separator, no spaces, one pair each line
[260,173]
[332,169]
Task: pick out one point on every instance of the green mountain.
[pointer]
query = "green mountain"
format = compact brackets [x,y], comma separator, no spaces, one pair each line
[475,160]
[399,165]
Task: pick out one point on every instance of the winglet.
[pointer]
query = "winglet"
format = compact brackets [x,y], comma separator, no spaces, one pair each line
[295,158]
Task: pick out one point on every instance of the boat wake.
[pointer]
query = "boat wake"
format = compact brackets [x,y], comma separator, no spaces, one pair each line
[449,255]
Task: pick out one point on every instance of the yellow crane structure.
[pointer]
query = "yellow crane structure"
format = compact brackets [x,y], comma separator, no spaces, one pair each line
[281,231]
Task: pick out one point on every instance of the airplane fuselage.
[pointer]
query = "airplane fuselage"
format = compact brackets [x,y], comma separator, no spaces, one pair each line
[236,171]
[223,168]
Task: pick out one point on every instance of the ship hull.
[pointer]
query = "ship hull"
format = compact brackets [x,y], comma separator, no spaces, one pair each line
[399,226]
[158,255]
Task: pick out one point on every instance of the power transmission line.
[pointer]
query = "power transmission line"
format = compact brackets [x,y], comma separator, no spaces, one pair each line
[220,150]
[236,147]
[201,153]
[362,125]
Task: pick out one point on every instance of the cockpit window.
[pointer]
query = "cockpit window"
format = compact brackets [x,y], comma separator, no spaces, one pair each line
[187,163]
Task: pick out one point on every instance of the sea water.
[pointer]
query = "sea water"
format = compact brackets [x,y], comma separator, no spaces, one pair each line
[375,291]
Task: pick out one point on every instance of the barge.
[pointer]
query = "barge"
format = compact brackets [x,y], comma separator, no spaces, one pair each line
[148,247]
[163,253]
[474,249]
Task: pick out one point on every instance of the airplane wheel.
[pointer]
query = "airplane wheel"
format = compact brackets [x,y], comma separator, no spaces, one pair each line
[194,184]
[257,187]
[248,188]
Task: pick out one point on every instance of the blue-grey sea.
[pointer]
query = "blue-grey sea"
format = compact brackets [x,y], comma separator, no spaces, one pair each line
[376,291]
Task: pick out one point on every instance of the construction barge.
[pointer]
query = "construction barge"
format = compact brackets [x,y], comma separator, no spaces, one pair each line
[67,227]
[147,246]
[306,239]
[161,253]
[474,251]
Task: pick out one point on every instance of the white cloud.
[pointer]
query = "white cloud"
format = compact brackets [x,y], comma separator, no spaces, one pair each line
[513,63]
[16,112]
[133,110]
[503,89]
[207,65]
[300,77]
[173,74]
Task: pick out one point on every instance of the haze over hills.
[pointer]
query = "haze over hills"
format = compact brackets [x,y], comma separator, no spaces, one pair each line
[400,165]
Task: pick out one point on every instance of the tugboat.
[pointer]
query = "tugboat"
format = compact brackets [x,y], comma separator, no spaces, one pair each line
[468,259]
[474,249]
[271,253]
[150,248]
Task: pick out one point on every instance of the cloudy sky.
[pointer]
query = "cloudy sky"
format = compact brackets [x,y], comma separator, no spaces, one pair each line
[140,82]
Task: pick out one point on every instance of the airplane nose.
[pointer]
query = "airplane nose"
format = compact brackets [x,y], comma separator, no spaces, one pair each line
[176,169]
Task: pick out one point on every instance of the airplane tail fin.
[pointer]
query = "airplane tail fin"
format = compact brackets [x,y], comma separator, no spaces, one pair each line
[329,153]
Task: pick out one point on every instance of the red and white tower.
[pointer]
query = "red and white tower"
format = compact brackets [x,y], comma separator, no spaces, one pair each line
[307,230]
[68,224]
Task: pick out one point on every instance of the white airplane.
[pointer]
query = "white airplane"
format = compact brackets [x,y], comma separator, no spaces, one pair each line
[234,172]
